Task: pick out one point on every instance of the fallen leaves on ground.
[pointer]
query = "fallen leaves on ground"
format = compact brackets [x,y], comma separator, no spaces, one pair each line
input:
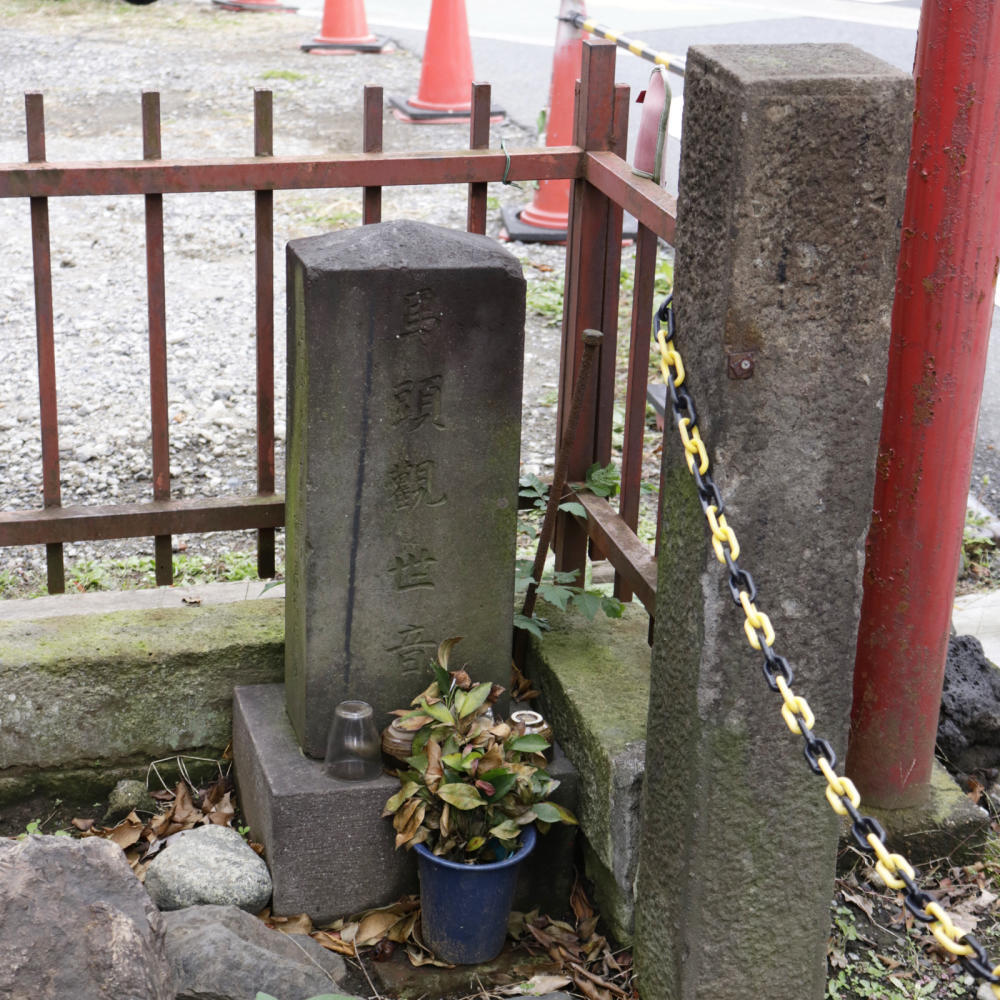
[142,838]
[583,959]
[583,955]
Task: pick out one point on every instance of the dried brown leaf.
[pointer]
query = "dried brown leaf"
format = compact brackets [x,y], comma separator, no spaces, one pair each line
[332,942]
[374,926]
[83,824]
[536,986]
[580,905]
[299,923]
[126,833]
[418,957]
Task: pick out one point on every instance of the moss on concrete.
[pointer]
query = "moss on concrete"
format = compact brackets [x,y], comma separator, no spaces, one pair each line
[86,694]
[594,679]
[947,825]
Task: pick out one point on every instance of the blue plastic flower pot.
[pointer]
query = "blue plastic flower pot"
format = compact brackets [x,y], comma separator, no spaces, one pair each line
[464,908]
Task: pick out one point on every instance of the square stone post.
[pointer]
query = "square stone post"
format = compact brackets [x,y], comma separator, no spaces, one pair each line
[791,189]
[405,355]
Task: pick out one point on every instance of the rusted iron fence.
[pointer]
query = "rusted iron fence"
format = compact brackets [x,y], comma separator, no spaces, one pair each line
[603,187]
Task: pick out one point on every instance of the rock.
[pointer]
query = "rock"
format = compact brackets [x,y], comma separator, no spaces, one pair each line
[77,923]
[224,953]
[209,864]
[126,796]
[968,736]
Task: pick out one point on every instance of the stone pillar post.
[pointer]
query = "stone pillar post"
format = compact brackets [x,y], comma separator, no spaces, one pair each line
[791,191]
[404,425]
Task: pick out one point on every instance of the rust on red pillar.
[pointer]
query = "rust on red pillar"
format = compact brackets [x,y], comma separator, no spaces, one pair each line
[940,330]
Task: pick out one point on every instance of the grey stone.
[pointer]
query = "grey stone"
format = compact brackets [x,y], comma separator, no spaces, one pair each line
[225,953]
[209,864]
[968,736]
[594,679]
[329,851]
[791,190]
[77,923]
[404,404]
[126,796]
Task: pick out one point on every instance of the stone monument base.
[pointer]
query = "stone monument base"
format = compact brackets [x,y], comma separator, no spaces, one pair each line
[330,852]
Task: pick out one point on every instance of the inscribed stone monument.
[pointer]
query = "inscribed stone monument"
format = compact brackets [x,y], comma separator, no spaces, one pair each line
[405,362]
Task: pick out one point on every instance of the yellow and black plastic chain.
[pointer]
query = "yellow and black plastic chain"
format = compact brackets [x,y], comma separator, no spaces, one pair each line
[673,64]
[894,870]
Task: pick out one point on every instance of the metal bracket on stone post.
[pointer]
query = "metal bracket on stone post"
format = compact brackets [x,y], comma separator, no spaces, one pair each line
[791,189]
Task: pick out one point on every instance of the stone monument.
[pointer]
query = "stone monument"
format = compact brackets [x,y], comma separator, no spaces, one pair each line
[405,360]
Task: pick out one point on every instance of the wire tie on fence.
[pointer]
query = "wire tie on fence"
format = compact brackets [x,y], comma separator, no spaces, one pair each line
[506,168]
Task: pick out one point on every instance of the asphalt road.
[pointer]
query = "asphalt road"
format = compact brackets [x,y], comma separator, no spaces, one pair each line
[512,49]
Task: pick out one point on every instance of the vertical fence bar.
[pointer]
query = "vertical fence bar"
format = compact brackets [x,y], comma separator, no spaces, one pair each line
[156,300]
[263,145]
[612,277]
[586,274]
[34,111]
[372,143]
[479,138]
[635,392]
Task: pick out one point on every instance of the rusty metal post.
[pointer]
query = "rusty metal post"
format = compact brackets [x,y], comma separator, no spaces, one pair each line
[940,330]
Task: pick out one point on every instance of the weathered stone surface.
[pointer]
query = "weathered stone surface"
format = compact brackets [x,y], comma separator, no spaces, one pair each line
[969,725]
[404,402]
[209,864]
[127,795]
[225,953]
[108,689]
[77,923]
[594,679]
[329,850]
[791,188]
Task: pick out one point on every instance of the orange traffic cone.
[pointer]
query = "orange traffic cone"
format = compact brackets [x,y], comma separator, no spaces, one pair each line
[271,5]
[547,218]
[344,30]
[446,73]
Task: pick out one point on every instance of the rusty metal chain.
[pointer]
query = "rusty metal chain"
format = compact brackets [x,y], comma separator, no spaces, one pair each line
[893,869]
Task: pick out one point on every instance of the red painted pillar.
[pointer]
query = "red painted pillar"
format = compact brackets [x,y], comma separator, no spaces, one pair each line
[940,330]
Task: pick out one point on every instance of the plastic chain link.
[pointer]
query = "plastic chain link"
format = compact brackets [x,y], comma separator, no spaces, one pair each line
[893,869]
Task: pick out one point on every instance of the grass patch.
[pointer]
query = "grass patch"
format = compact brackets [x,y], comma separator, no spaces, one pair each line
[282,74]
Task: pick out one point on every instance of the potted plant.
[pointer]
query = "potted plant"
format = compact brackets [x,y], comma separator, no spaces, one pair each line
[471,793]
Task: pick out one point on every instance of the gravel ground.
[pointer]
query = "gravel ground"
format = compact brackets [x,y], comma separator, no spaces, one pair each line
[91,59]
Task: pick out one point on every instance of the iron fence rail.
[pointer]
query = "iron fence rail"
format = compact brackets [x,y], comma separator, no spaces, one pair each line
[603,187]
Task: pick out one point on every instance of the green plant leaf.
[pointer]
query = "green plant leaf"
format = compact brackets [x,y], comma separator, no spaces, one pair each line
[551,812]
[603,481]
[474,844]
[501,780]
[533,625]
[466,702]
[439,712]
[461,796]
[612,607]
[556,594]
[407,791]
[574,508]
[532,743]
[588,602]
[507,830]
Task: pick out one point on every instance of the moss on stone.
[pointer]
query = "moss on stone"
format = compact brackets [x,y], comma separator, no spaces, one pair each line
[85,693]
